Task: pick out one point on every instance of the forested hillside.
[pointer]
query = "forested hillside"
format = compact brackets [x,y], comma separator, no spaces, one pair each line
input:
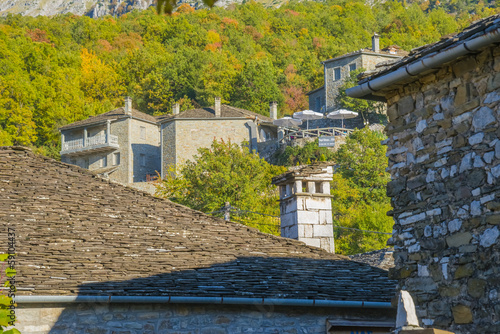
[58,70]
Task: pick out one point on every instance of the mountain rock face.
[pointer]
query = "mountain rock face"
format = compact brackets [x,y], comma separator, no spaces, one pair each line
[92,8]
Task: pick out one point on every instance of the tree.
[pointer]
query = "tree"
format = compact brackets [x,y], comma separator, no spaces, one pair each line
[358,189]
[362,106]
[224,173]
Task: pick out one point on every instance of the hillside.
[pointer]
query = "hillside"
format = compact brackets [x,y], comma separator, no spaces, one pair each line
[98,8]
[54,71]
[92,8]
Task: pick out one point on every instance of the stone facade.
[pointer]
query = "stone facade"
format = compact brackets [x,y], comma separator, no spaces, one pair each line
[131,152]
[130,147]
[306,206]
[336,70]
[184,133]
[190,135]
[444,159]
[184,318]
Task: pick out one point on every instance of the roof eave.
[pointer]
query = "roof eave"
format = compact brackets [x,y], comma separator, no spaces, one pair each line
[421,66]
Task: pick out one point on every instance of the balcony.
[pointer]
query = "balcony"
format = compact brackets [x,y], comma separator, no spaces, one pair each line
[90,145]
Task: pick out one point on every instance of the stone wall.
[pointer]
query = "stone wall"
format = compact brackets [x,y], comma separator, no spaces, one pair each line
[332,85]
[168,146]
[444,159]
[145,149]
[120,128]
[319,94]
[183,319]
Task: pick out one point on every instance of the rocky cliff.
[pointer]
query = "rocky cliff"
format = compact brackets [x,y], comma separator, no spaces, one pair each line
[96,8]
[92,8]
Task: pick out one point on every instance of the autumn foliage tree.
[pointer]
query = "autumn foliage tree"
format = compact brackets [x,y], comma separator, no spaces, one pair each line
[224,173]
[359,194]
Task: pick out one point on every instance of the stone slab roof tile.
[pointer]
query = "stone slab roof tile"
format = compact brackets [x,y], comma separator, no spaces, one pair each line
[209,112]
[474,30]
[77,233]
[110,115]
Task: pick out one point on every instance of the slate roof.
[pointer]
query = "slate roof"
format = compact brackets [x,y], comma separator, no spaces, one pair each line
[476,29]
[77,233]
[209,112]
[382,258]
[383,52]
[110,115]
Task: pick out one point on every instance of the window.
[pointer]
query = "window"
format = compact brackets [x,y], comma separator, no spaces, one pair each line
[143,132]
[352,67]
[104,161]
[318,103]
[116,158]
[337,74]
[86,163]
[142,159]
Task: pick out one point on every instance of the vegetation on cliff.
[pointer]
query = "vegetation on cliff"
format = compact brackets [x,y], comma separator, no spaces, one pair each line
[58,70]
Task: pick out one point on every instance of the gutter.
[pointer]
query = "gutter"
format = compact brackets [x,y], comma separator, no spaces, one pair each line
[199,300]
[427,63]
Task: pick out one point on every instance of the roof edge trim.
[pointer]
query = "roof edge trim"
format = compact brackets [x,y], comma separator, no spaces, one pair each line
[200,300]
[427,63]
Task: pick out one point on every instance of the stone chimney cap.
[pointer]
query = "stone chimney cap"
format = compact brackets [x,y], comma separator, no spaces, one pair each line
[316,172]
[176,107]
[376,42]
[217,106]
[128,105]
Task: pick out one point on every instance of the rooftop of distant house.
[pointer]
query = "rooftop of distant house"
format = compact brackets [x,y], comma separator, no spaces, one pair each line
[197,113]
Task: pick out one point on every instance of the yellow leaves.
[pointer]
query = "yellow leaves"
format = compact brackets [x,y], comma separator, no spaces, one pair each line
[185,8]
[213,36]
[214,41]
[99,81]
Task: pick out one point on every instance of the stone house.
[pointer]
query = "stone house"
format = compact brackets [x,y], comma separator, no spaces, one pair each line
[94,256]
[336,70]
[183,133]
[123,144]
[444,159]
[132,147]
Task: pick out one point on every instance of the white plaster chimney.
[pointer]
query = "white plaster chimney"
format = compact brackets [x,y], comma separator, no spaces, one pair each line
[176,108]
[375,42]
[217,106]
[128,105]
[273,110]
[306,206]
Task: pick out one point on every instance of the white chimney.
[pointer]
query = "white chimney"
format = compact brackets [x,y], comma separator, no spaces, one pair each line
[306,205]
[128,105]
[375,42]
[217,106]
[273,110]
[176,108]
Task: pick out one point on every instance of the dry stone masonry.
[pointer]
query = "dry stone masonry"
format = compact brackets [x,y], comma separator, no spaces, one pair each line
[444,158]
[306,206]
[80,235]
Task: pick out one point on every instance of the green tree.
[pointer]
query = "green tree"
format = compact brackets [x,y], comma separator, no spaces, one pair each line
[358,189]
[224,173]
[362,106]
[297,155]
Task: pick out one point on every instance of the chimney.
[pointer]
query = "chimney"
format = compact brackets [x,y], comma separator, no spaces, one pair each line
[217,106]
[176,108]
[306,206]
[128,105]
[375,42]
[273,110]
